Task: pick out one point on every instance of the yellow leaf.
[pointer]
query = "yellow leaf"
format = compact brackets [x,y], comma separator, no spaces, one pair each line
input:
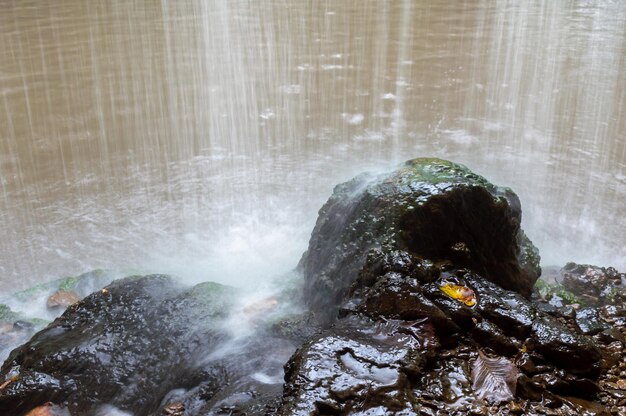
[463,294]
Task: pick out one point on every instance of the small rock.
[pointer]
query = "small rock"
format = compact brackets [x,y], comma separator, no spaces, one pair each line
[62,299]
[260,307]
[23,326]
[174,409]
[49,409]
[589,322]
[516,408]
[618,394]
[478,408]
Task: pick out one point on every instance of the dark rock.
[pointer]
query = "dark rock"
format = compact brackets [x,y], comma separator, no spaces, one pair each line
[126,345]
[513,314]
[357,365]
[593,285]
[579,355]
[547,308]
[430,210]
[298,327]
[461,314]
[486,333]
[23,326]
[614,314]
[582,387]
[551,381]
[526,364]
[448,383]
[397,296]
[589,322]
[611,335]
[249,380]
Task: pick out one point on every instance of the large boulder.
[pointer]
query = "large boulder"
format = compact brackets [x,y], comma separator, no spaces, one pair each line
[126,345]
[423,276]
[418,218]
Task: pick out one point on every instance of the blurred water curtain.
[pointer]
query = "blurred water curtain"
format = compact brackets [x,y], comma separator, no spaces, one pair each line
[200,138]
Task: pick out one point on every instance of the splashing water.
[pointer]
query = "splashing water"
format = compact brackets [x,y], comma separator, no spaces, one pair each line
[200,139]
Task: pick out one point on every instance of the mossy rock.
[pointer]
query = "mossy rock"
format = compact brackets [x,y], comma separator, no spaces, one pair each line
[82,284]
[434,210]
[7,316]
[33,292]
[207,299]
[548,290]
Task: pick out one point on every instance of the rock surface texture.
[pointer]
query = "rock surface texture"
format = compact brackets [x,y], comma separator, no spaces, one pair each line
[422,297]
[416,220]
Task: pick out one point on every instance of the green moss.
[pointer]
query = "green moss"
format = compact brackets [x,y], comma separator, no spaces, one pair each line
[435,171]
[68,284]
[213,297]
[7,315]
[32,292]
[548,290]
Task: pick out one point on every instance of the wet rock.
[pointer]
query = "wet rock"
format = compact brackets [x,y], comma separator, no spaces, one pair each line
[82,285]
[614,314]
[247,378]
[526,364]
[430,210]
[355,366]
[594,285]
[578,355]
[62,299]
[555,294]
[397,296]
[589,322]
[529,389]
[298,327]
[487,334]
[449,384]
[49,409]
[611,335]
[513,314]
[15,328]
[126,345]
[418,284]
[461,315]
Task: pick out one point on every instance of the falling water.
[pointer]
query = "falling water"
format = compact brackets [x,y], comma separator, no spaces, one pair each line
[200,138]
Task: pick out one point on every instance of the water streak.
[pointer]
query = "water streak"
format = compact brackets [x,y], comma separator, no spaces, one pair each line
[201,138]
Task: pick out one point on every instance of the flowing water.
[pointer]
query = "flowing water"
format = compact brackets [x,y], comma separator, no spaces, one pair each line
[201,138]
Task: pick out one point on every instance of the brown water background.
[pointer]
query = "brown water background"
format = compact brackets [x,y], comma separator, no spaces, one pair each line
[201,137]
